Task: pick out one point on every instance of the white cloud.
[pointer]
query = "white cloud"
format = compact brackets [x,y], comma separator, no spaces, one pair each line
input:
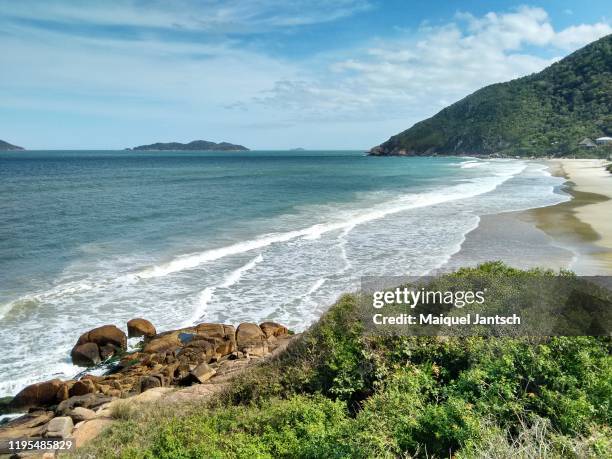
[416,74]
[575,37]
[209,15]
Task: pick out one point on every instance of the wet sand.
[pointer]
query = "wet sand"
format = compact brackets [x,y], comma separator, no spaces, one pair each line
[575,235]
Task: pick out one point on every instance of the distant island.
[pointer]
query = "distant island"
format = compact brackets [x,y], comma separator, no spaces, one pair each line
[5,146]
[196,145]
[555,112]
[298,149]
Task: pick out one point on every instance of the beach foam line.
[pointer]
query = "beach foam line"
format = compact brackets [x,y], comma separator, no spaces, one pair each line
[470,189]
[208,293]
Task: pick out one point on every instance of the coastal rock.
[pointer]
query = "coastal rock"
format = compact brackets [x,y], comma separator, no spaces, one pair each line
[163,341]
[28,425]
[82,387]
[89,430]
[251,339]
[108,338]
[203,372]
[60,427]
[37,395]
[273,329]
[106,334]
[149,382]
[81,414]
[140,327]
[91,401]
[221,336]
[86,355]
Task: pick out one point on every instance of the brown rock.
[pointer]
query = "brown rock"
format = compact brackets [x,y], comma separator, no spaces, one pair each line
[90,430]
[203,372]
[106,334]
[81,414]
[107,351]
[149,382]
[85,355]
[37,395]
[91,401]
[29,425]
[140,327]
[163,343]
[102,336]
[60,427]
[273,329]
[83,387]
[251,339]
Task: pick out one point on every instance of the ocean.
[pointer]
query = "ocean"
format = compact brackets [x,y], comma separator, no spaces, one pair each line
[99,237]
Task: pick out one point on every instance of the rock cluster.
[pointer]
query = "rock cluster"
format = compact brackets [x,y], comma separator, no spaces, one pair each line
[182,357]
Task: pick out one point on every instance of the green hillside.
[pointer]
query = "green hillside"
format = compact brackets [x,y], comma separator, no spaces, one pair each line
[547,113]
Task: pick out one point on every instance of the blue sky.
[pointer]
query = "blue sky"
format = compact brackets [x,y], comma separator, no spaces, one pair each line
[269,74]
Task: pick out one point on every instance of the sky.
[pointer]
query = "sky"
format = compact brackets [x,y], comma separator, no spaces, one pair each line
[267,74]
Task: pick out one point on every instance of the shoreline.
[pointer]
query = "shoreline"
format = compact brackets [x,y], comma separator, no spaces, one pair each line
[574,235]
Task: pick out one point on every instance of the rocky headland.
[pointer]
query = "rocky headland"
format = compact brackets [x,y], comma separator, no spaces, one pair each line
[5,146]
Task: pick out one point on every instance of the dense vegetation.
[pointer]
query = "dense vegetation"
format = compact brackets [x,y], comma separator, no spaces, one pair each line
[336,393]
[547,113]
[196,145]
[5,146]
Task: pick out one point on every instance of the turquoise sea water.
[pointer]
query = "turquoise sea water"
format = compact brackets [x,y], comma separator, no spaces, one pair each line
[96,237]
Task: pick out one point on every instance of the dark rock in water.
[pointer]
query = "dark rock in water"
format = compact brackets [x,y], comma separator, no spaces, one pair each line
[86,355]
[102,337]
[38,395]
[140,327]
[5,405]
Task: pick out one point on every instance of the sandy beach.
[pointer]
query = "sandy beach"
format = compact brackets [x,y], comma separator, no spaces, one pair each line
[575,235]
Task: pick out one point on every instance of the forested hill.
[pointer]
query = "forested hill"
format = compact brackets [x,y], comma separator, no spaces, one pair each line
[547,113]
[196,145]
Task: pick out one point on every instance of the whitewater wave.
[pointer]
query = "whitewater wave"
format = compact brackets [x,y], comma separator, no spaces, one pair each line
[404,203]
[208,293]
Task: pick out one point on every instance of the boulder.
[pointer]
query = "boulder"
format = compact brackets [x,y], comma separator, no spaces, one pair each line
[106,334]
[37,395]
[103,337]
[83,387]
[86,355]
[273,329]
[91,401]
[203,372]
[79,414]
[149,382]
[140,327]
[89,430]
[60,427]
[251,340]
[163,342]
